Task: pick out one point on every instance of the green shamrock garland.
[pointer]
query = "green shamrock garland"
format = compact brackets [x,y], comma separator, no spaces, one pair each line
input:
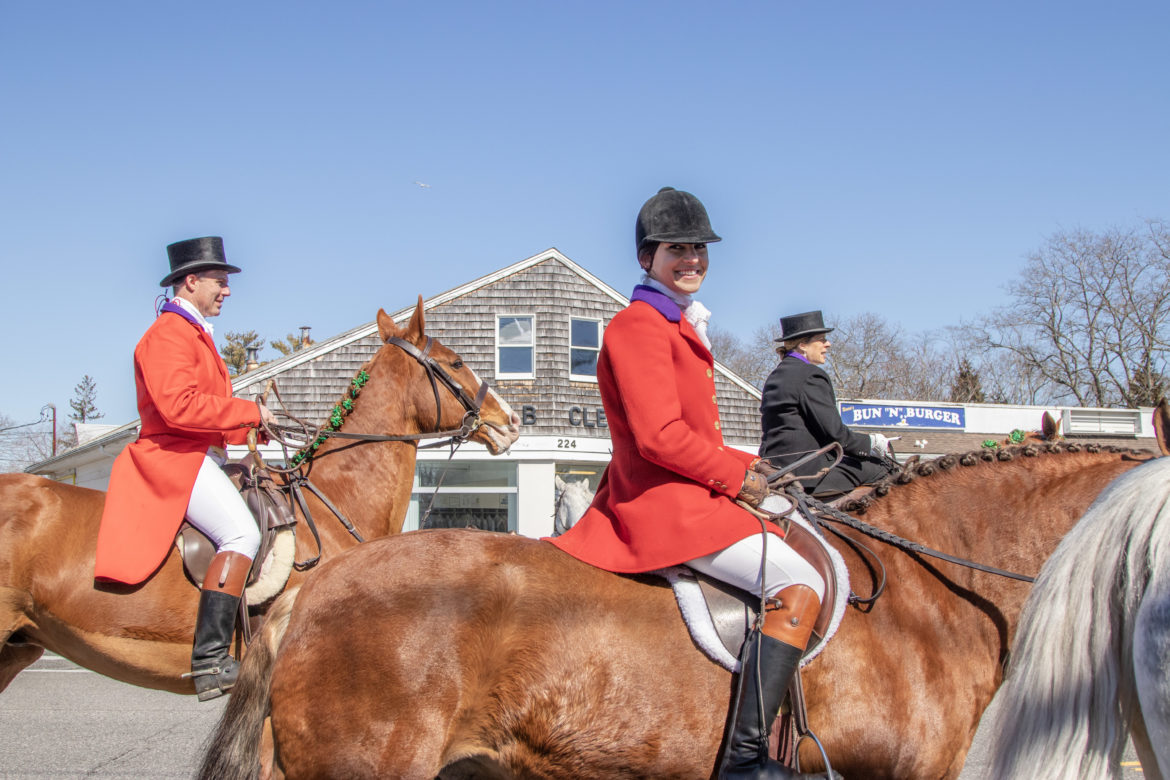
[1015,437]
[336,417]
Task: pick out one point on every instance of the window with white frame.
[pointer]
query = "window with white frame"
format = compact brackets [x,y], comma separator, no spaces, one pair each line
[463,494]
[514,346]
[584,346]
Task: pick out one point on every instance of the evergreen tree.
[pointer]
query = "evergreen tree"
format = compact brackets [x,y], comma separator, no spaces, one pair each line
[289,344]
[235,349]
[966,387]
[84,403]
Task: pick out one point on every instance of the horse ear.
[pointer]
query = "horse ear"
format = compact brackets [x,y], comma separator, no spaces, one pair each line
[414,330]
[386,326]
[1048,426]
[1162,426]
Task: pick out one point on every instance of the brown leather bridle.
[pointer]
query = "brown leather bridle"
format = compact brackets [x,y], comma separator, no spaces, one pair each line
[298,475]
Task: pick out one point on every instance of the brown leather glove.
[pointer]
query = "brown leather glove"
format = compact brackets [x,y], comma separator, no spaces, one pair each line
[761,466]
[754,490]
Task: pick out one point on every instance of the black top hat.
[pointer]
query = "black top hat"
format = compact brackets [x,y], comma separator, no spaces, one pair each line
[194,255]
[796,326]
[673,216]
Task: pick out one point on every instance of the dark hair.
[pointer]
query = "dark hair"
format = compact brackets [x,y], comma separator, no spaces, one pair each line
[648,248]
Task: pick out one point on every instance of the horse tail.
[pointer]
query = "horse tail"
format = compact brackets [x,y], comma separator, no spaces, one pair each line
[1066,704]
[233,751]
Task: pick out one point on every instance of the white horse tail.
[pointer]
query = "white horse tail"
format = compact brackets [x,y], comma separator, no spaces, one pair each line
[1069,696]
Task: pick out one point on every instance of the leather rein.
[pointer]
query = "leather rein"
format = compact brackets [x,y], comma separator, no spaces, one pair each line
[791,485]
[298,476]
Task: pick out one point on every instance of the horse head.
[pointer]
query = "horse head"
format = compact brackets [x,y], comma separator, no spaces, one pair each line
[572,499]
[1049,432]
[446,395]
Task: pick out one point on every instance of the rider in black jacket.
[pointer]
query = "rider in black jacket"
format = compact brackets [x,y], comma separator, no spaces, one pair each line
[799,414]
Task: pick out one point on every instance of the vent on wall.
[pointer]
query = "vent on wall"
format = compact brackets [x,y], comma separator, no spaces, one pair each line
[1111,422]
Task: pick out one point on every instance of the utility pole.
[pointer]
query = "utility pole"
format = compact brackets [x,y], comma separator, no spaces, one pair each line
[53,407]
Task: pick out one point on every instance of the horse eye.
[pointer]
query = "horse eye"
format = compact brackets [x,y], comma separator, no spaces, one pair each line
[458,364]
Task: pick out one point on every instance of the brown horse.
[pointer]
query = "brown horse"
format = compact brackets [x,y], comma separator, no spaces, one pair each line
[484,655]
[142,634]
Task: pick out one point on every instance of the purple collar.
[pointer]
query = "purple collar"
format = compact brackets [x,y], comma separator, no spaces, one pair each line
[175,308]
[799,356]
[665,306]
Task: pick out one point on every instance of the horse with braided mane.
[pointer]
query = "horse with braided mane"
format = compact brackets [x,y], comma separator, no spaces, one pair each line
[142,634]
[486,655]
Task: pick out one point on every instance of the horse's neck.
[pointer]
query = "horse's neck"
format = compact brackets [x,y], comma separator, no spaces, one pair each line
[369,482]
[1019,508]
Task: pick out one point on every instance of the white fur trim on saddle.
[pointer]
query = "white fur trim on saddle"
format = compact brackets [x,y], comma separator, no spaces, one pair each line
[693,606]
[275,568]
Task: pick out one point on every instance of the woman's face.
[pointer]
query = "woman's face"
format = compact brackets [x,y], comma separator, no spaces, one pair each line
[681,267]
[816,349]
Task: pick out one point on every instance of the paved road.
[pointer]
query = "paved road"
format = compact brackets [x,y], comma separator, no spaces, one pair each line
[61,721]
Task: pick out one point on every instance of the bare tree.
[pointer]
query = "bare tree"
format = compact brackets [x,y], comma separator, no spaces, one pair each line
[1090,316]
[869,358]
[25,443]
[751,361]
[927,369]
[866,356]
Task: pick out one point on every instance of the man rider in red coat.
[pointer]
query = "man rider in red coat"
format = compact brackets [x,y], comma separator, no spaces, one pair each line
[188,416]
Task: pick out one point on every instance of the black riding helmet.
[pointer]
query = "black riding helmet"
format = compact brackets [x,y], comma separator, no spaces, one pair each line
[673,216]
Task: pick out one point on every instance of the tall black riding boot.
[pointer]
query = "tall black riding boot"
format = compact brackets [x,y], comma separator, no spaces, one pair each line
[213,670]
[745,754]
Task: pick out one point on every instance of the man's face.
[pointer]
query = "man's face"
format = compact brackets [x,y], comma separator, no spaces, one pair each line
[206,290]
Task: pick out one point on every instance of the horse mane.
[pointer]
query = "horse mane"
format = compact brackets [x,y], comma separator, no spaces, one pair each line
[914,470]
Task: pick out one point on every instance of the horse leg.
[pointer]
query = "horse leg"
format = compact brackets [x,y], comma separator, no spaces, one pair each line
[1151,659]
[15,654]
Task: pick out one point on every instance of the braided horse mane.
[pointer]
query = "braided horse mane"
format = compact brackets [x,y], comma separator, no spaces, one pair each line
[915,470]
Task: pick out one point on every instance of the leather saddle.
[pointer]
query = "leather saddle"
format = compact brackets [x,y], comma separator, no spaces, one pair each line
[270,508]
[733,611]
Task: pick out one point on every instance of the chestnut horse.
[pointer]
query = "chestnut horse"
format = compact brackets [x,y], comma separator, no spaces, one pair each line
[485,655]
[1091,663]
[142,634]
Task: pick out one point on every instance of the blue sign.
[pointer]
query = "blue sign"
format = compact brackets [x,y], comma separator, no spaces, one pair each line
[883,416]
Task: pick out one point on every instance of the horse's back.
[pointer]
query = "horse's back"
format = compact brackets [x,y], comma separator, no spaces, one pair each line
[450,646]
[41,518]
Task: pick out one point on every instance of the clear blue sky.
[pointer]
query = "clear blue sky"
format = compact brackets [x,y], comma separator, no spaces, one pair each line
[899,158]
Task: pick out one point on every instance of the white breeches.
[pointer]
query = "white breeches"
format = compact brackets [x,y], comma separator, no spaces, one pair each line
[217,509]
[739,565]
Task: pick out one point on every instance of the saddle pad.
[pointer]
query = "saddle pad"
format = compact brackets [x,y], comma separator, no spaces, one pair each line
[693,606]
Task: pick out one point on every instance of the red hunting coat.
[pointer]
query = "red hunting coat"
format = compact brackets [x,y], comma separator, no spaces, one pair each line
[186,406]
[668,494]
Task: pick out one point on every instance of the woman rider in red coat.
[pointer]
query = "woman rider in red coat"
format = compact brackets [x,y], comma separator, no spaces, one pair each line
[668,494]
